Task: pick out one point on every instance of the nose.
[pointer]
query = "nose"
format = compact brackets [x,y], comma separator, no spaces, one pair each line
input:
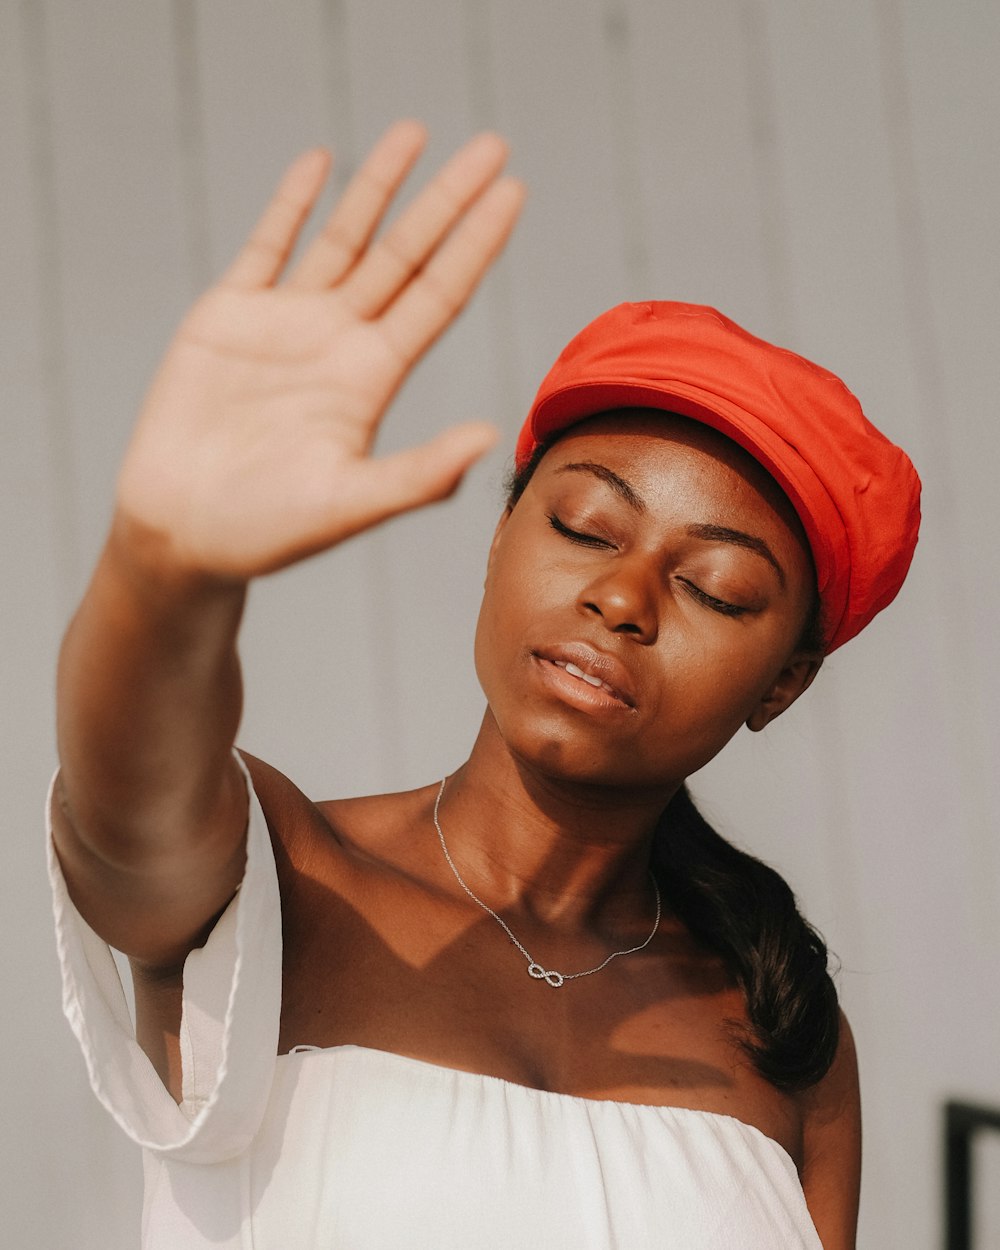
[623,595]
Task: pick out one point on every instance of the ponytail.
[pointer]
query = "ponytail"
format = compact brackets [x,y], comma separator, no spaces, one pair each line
[746,913]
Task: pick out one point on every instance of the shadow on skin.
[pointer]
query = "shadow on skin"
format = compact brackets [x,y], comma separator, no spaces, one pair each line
[462,999]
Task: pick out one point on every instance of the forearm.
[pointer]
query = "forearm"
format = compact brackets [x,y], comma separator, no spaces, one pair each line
[149,700]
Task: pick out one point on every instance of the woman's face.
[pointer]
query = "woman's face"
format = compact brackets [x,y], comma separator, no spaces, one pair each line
[644,598]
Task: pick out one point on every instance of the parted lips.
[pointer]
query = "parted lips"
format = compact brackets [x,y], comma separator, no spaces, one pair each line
[856,493]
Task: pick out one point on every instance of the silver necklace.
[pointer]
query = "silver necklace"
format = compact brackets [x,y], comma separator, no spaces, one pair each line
[535,969]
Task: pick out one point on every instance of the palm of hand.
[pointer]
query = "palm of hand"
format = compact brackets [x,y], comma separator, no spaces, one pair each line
[253,449]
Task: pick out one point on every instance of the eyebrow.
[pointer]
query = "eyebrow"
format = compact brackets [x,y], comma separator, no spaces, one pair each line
[749,542]
[617,484]
[707,533]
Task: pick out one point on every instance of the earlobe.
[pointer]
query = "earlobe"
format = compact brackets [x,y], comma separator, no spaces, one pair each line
[793,680]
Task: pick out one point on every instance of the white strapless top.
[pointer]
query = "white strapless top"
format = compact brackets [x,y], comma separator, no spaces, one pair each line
[350,1148]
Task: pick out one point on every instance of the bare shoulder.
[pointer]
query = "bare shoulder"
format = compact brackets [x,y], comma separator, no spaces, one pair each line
[294,821]
[368,830]
[831,1141]
[351,849]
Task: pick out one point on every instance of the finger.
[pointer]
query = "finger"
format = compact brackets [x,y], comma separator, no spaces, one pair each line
[425,474]
[356,217]
[438,293]
[262,258]
[412,240]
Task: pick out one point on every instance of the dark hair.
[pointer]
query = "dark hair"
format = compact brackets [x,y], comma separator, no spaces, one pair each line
[745,912]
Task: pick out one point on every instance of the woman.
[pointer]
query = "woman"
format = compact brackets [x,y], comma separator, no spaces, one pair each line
[539,1003]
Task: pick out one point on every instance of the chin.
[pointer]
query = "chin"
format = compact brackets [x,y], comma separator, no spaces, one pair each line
[563,761]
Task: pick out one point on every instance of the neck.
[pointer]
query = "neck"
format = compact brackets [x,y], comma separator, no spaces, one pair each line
[569,854]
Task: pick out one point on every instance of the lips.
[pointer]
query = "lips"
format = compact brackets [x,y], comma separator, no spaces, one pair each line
[594,669]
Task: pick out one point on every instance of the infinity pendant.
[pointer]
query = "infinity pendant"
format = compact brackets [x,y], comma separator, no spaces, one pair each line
[555,979]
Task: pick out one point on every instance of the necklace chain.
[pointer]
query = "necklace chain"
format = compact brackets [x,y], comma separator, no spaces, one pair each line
[535,969]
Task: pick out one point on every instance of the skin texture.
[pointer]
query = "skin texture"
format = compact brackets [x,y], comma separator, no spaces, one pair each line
[252,451]
[701,630]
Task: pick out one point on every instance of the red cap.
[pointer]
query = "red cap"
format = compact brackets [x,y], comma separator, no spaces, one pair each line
[856,493]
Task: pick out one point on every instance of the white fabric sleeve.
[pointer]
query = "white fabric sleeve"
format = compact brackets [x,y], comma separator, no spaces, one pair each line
[229,1025]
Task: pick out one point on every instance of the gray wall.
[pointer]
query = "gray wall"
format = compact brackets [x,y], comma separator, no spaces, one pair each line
[825,173]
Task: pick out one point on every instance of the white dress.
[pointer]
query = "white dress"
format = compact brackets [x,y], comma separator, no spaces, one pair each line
[350,1148]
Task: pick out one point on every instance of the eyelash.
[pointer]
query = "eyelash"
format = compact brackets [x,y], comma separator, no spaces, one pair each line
[722,606]
[585,540]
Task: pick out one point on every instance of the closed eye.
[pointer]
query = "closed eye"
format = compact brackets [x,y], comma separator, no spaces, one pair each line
[585,540]
[722,606]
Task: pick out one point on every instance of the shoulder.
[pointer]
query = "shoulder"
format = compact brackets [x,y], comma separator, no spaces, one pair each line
[831,1147]
[364,833]
[286,809]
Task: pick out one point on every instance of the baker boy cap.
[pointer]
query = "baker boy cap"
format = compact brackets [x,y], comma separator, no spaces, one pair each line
[856,493]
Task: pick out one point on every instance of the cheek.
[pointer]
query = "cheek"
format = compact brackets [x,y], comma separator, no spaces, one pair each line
[708,701]
[497,628]
[483,644]
[513,587]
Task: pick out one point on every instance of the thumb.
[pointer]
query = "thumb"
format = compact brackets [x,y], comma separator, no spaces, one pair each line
[430,472]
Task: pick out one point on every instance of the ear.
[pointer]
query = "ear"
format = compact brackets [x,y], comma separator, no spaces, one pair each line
[794,679]
[504,517]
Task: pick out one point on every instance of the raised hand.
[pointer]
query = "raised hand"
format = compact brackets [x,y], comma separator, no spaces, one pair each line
[253,449]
